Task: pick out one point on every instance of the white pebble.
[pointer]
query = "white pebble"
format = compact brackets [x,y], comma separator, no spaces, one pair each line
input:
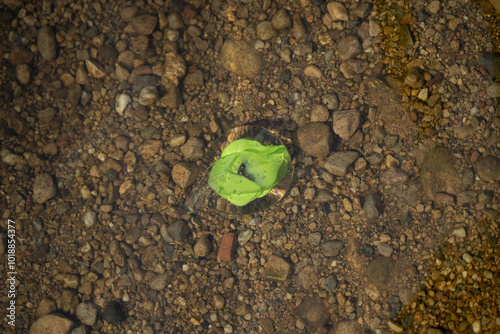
[460,232]
[228,329]
[476,326]
[122,103]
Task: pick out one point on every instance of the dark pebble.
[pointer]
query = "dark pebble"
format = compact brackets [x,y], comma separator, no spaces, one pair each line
[113,313]
[368,250]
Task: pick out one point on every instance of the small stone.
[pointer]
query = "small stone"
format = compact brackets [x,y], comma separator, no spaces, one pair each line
[240,58]
[159,282]
[144,24]
[414,78]
[184,174]
[95,68]
[23,73]
[315,139]
[277,269]
[443,198]
[175,21]
[385,249]
[488,168]
[319,113]
[128,11]
[423,94]
[203,246]
[379,271]
[52,323]
[122,103]
[405,36]
[90,218]
[43,188]
[367,250]
[332,248]
[177,140]
[337,11]
[172,99]
[313,71]
[374,28]
[281,20]
[348,327]
[267,325]
[47,44]
[219,302]
[149,148]
[476,326]
[434,7]
[372,207]
[20,55]
[331,101]
[395,327]
[394,175]
[330,283]
[467,257]
[86,313]
[227,248]
[265,30]
[460,232]
[438,174]
[349,47]
[244,237]
[307,277]
[346,122]
[339,162]
[178,231]
[113,313]
[74,94]
[175,69]
[315,238]
[148,95]
[45,307]
[493,90]
[193,149]
[312,313]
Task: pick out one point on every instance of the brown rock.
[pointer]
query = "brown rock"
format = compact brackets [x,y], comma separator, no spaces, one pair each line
[277,269]
[175,68]
[43,188]
[47,44]
[315,139]
[95,68]
[345,122]
[184,174]
[144,24]
[20,55]
[241,58]
[149,148]
[439,173]
[337,11]
[227,248]
[51,324]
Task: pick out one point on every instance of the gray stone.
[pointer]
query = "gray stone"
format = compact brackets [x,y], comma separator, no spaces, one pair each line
[277,269]
[315,238]
[47,44]
[86,313]
[23,73]
[185,174]
[319,113]
[203,246]
[331,101]
[337,11]
[240,58]
[346,122]
[393,175]
[372,207]
[313,313]
[349,47]
[281,20]
[51,324]
[330,283]
[193,149]
[90,218]
[332,248]
[265,30]
[178,231]
[439,174]
[348,327]
[385,249]
[159,282]
[307,277]
[315,139]
[379,271]
[43,188]
[144,24]
[339,162]
[244,237]
[488,168]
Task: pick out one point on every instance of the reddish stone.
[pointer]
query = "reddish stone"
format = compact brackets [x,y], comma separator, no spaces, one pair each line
[227,247]
[442,198]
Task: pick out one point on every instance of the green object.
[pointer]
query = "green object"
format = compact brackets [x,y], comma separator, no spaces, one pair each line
[247,170]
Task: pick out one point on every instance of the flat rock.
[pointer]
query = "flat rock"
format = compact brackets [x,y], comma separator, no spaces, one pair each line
[149,148]
[337,11]
[184,174]
[313,313]
[488,168]
[51,324]
[240,58]
[47,44]
[227,248]
[277,269]
[346,122]
[178,231]
[95,68]
[379,271]
[372,206]
[349,47]
[43,188]
[86,313]
[315,139]
[439,173]
[144,24]
[307,277]
[193,149]
[332,248]
[394,175]
[339,162]
[159,282]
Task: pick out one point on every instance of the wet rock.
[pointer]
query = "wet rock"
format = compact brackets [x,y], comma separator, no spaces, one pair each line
[337,11]
[240,58]
[414,78]
[307,277]
[244,237]
[113,313]
[385,249]
[313,313]
[86,313]
[203,246]
[348,327]
[23,73]
[488,168]
[315,139]
[346,122]
[339,162]
[51,323]
[265,30]
[330,283]
[393,175]
[144,24]
[379,271]
[74,94]
[349,47]
[331,101]
[43,188]
[20,55]
[277,269]
[438,173]
[90,218]
[175,69]
[332,248]
[172,99]
[47,44]
[193,149]
[184,174]
[159,282]
[95,68]
[227,248]
[372,207]
[122,103]
[312,71]
[267,325]
[45,307]
[149,148]
[319,113]
[281,20]
[194,79]
[178,231]
[148,95]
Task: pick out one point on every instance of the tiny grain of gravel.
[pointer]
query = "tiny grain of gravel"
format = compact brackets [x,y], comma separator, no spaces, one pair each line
[107,113]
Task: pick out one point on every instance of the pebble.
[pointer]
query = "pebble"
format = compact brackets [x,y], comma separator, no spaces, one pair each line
[332,248]
[346,122]
[372,207]
[339,162]
[95,69]
[175,69]
[47,44]
[46,306]
[488,168]
[144,24]
[349,47]
[319,113]
[312,313]
[267,325]
[179,231]
[113,313]
[438,174]
[395,327]
[314,238]
[315,139]
[159,282]
[368,250]
[148,95]
[331,101]
[149,148]
[277,269]
[433,7]
[265,30]
[194,79]
[122,103]
[244,237]
[43,188]
[184,174]
[20,55]
[281,20]
[177,140]
[227,248]
[330,283]
[203,246]
[193,149]
[379,271]
[241,58]
[175,21]
[307,277]
[313,71]
[23,73]
[52,323]
[337,11]
[394,175]
[219,302]
[348,327]
[460,232]
[414,78]
[90,218]
[86,313]
[385,249]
